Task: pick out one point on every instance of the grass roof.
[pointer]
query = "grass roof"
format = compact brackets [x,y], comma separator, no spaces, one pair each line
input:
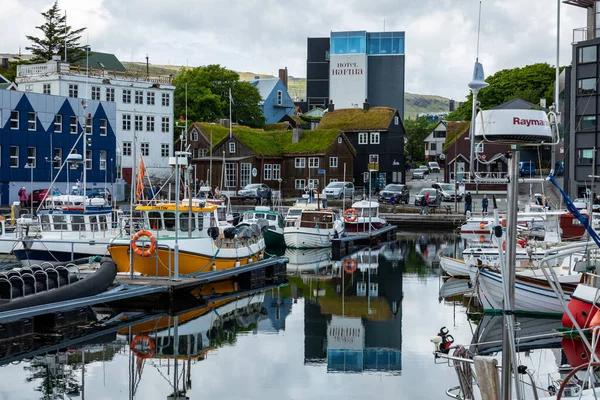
[357,119]
[273,143]
[279,126]
[454,130]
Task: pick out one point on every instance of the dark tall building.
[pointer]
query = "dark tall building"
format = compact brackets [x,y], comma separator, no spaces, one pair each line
[581,105]
[361,67]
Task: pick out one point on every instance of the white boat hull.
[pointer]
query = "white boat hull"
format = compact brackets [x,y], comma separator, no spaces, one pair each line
[454,267]
[303,238]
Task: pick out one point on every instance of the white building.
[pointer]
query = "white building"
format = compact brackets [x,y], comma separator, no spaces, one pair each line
[434,142]
[144,105]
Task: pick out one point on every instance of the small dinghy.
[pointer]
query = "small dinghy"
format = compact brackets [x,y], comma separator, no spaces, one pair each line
[53,282]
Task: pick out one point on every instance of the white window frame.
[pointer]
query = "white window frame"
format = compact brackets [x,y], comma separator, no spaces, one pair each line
[340,140]
[32,156]
[165,150]
[127,149]
[145,149]
[365,177]
[89,124]
[373,158]
[96,93]
[300,162]
[313,162]
[103,127]
[268,172]
[375,137]
[47,88]
[231,147]
[73,124]
[245,173]
[166,124]
[333,162]
[58,120]
[363,138]
[165,99]
[14,122]
[313,183]
[110,94]
[479,147]
[126,122]
[149,123]
[150,98]
[194,135]
[276,172]
[138,97]
[299,184]
[138,123]
[55,153]
[103,160]
[88,159]
[14,157]
[126,96]
[230,175]
[31,125]
[279,97]
[396,120]
[73,90]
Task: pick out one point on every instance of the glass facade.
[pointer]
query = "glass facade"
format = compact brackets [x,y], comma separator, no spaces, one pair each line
[361,42]
[349,42]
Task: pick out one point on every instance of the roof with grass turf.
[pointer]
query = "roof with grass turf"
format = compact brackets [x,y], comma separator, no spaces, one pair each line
[454,130]
[357,119]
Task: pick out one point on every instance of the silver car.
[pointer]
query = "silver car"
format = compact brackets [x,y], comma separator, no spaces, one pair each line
[337,190]
[251,190]
[435,198]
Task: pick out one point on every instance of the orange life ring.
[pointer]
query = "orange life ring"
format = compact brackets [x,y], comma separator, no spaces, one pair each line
[350,265]
[481,225]
[150,250]
[350,215]
[503,222]
[143,346]
[481,239]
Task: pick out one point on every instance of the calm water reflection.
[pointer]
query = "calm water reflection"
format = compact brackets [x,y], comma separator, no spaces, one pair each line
[341,330]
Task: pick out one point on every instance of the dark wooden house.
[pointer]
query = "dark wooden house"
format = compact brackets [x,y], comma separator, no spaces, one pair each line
[377,134]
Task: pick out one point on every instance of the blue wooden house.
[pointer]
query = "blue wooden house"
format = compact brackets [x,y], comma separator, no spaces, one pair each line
[277,102]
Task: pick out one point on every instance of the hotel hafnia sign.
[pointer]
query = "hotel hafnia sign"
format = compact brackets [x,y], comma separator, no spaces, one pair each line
[348,80]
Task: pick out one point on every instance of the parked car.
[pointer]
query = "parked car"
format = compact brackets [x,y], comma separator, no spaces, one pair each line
[251,190]
[526,168]
[424,168]
[337,190]
[38,195]
[447,191]
[395,189]
[100,192]
[434,166]
[418,174]
[581,203]
[435,198]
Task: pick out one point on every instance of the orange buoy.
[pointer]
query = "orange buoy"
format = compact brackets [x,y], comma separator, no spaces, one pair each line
[150,250]
[482,225]
[481,239]
[350,215]
[350,265]
[143,346]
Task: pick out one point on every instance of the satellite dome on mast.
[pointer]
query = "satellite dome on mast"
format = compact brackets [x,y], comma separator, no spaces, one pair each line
[478,82]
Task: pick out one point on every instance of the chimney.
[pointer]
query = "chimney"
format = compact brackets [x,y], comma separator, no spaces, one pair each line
[296,135]
[331,106]
[5,63]
[366,105]
[283,75]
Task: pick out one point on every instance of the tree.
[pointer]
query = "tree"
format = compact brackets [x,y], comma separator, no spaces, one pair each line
[208,96]
[530,83]
[415,132]
[56,34]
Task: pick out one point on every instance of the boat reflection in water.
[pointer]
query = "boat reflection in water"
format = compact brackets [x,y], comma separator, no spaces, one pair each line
[353,320]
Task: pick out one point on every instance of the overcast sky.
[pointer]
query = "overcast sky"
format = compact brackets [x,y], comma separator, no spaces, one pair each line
[263,35]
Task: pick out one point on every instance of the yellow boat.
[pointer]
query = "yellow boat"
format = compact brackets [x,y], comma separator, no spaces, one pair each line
[203,248]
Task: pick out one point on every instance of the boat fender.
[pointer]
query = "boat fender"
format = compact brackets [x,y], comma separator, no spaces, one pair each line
[147,252]
[481,239]
[213,232]
[350,265]
[350,215]
[143,346]
[482,225]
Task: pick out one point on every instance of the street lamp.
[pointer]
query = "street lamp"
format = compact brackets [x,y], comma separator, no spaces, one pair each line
[31,167]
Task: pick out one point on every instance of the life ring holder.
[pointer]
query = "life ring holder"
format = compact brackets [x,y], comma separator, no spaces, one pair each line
[350,215]
[143,346]
[350,265]
[147,252]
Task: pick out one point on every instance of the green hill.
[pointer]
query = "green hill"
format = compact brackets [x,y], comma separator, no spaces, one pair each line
[414,103]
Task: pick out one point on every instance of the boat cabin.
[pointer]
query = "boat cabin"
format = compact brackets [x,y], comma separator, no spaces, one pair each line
[160,218]
[366,209]
[275,219]
[323,219]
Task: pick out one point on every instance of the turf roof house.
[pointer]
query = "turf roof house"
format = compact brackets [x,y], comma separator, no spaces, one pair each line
[377,134]
[258,156]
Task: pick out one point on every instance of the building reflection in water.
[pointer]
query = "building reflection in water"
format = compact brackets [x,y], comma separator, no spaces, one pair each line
[353,318]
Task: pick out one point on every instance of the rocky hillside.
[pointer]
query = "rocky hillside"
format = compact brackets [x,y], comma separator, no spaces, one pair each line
[414,103]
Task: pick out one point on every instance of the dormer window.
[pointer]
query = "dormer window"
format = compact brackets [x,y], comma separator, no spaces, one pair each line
[194,135]
[232,147]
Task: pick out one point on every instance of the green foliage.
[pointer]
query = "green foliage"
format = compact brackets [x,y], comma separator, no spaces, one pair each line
[530,83]
[416,131]
[350,119]
[10,73]
[208,96]
[54,37]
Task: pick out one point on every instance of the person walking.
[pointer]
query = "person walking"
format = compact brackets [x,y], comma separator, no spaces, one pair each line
[269,197]
[426,203]
[258,197]
[23,196]
[484,205]
[468,203]
[393,202]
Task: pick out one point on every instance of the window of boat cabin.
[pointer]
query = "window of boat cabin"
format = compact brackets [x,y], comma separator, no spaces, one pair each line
[201,217]
[260,215]
[169,220]
[271,217]
[45,219]
[103,224]
[77,223]
[154,219]
[364,212]
[184,218]
[60,222]
[93,223]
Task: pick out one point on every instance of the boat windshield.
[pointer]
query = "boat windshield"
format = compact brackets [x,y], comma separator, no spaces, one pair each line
[294,212]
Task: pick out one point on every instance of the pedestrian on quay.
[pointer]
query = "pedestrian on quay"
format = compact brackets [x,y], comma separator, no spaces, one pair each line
[484,205]
[426,203]
[23,196]
[258,197]
[393,202]
[468,203]
[269,197]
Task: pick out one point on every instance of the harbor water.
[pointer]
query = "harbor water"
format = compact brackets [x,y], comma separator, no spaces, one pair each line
[328,334]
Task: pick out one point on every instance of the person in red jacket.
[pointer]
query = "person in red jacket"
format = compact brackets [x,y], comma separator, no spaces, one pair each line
[23,196]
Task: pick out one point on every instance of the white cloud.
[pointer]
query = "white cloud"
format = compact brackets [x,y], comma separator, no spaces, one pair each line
[262,36]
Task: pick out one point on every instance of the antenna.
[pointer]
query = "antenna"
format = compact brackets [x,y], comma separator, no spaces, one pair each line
[478,31]
[384,24]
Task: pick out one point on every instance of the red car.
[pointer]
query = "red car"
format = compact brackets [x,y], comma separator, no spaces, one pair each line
[38,196]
